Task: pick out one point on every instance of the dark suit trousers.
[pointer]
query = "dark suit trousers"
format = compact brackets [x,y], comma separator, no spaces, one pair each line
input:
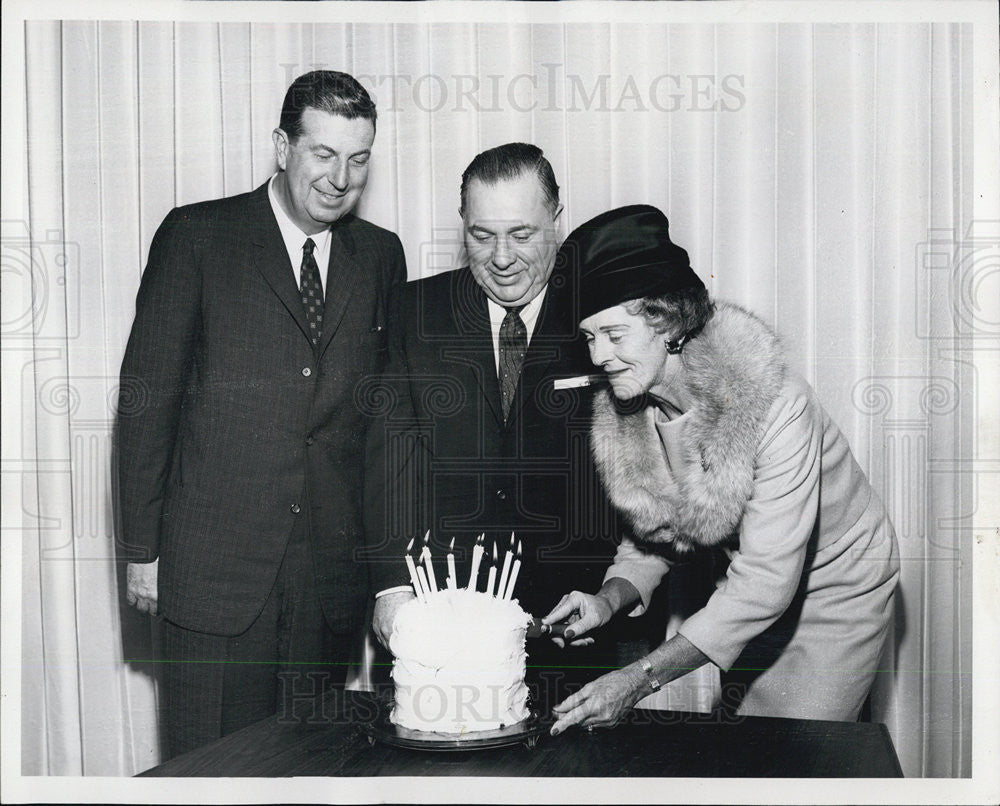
[216,684]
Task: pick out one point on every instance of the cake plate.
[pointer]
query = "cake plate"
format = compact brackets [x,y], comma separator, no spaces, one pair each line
[380,729]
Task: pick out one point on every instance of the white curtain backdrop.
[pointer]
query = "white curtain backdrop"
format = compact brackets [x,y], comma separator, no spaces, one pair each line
[819,174]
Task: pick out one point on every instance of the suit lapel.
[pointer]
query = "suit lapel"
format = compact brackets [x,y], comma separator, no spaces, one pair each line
[472,321]
[344,271]
[271,258]
[552,333]
[544,348]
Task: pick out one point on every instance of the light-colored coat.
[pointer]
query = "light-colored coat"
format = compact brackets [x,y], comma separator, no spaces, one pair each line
[756,466]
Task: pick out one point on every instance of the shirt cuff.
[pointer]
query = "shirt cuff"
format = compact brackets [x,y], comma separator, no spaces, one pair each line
[397,589]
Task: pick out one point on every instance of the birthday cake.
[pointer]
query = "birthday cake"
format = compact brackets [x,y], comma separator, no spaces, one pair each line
[459,662]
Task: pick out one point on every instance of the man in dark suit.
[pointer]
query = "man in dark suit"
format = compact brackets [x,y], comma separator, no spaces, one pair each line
[240,444]
[474,434]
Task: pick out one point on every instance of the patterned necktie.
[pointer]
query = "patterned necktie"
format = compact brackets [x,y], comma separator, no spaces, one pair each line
[513,344]
[312,291]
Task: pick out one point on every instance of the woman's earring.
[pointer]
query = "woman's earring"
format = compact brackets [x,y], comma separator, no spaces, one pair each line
[674,347]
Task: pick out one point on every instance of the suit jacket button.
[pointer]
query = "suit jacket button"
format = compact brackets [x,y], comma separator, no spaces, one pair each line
[310,440]
[296,509]
[501,495]
[306,372]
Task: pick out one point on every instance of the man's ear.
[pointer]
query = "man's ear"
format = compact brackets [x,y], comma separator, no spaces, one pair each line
[280,140]
[557,222]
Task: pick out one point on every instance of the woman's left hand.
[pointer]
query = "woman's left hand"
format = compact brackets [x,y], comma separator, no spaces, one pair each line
[601,703]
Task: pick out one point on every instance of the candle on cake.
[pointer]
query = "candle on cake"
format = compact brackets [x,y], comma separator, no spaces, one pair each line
[452,576]
[425,555]
[477,558]
[515,569]
[414,579]
[507,557]
[492,578]
[423,580]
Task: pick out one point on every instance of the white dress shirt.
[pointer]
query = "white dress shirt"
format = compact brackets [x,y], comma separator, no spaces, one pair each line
[295,239]
[529,315]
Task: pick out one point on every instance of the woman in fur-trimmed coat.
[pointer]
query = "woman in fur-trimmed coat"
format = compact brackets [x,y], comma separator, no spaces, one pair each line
[705,439]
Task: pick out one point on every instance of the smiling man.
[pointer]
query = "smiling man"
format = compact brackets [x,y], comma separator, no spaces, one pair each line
[240,444]
[480,439]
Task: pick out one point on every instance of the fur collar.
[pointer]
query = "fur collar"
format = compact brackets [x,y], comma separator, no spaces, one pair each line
[734,370]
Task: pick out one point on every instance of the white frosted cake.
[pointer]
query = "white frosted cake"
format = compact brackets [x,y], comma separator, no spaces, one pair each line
[459,663]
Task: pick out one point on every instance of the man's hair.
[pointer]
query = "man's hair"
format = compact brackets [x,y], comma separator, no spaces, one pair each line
[328,91]
[679,313]
[507,162]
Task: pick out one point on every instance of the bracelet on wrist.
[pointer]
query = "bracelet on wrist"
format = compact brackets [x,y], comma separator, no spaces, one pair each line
[647,669]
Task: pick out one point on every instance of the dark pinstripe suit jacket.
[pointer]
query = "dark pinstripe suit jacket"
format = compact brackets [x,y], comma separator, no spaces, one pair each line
[232,428]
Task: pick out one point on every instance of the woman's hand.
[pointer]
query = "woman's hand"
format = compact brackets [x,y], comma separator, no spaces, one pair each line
[601,703]
[584,612]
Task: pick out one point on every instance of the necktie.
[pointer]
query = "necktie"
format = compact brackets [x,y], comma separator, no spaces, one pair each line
[312,292]
[513,344]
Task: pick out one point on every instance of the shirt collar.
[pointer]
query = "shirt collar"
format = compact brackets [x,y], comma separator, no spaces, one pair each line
[293,237]
[529,313]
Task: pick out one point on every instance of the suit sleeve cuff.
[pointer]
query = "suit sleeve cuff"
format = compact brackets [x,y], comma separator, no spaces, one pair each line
[706,636]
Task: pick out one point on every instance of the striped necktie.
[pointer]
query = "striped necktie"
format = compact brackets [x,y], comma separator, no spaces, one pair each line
[312,292]
[513,345]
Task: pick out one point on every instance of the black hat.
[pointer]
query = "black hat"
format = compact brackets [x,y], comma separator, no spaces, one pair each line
[625,254]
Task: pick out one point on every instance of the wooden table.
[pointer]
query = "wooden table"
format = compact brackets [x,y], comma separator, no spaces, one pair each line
[332,742]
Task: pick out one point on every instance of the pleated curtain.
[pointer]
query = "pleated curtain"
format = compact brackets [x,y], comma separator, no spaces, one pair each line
[820,175]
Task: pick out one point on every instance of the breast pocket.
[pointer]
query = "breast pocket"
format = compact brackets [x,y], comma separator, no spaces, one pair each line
[363,355]
[375,338]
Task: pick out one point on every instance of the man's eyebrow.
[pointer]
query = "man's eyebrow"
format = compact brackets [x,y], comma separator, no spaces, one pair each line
[517,228]
[332,150]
